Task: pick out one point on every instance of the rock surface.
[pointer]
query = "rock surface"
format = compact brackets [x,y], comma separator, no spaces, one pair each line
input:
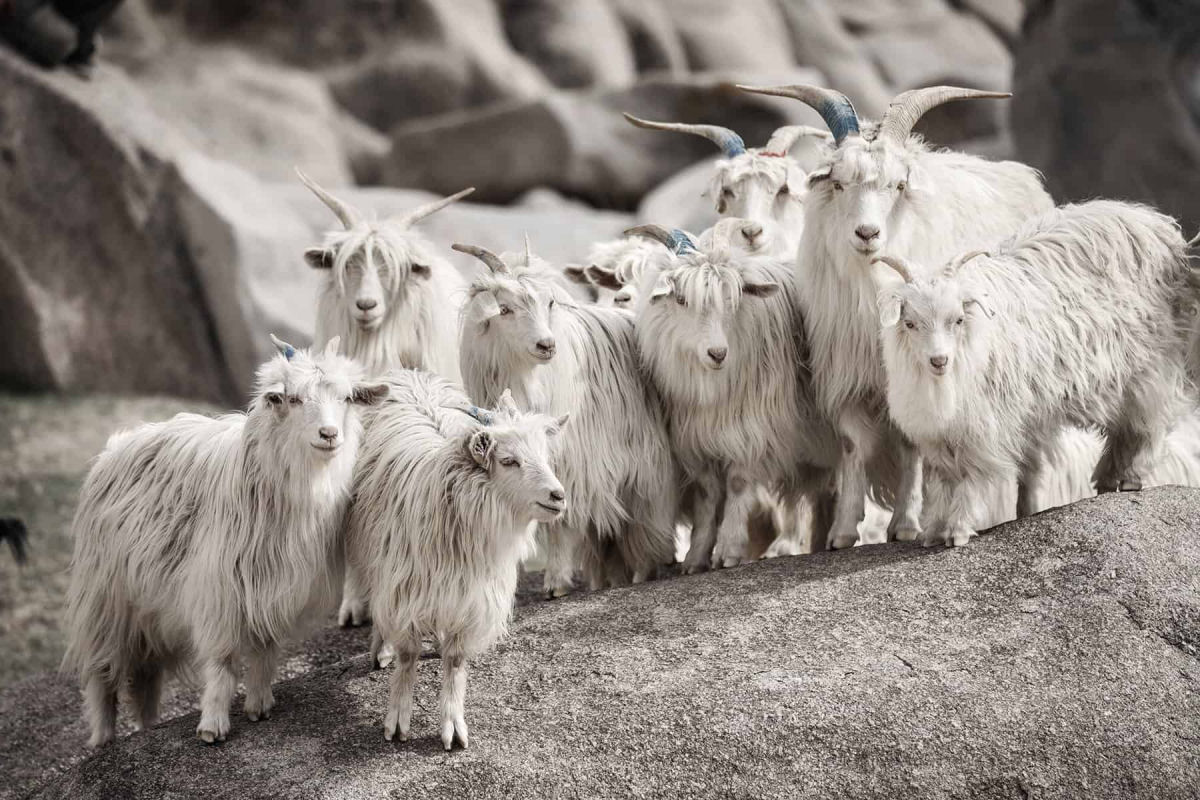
[1107,101]
[1054,657]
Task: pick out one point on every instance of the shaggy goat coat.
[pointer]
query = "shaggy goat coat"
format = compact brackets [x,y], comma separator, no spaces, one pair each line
[199,539]
[1084,318]
[616,461]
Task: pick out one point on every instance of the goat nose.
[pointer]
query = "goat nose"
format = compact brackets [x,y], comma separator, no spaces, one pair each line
[866,232]
[366,305]
[328,432]
[752,232]
[938,361]
[557,495]
[718,354]
[545,345]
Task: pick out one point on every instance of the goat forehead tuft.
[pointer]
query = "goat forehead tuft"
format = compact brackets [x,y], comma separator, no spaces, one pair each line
[862,163]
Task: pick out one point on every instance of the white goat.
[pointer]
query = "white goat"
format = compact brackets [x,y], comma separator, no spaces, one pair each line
[882,187]
[763,184]
[392,300]
[613,269]
[205,539]
[441,521]
[521,331]
[387,293]
[722,338]
[1094,309]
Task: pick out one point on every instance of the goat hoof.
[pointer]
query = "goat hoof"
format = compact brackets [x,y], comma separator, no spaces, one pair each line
[1130,485]
[842,542]
[907,534]
[731,561]
[210,737]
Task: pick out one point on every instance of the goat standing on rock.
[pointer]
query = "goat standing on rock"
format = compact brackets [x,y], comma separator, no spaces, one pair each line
[205,539]
[445,497]
[1085,317]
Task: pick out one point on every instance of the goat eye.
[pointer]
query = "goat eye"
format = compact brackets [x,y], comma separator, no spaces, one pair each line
[837,186]
[551,304]
[784,190]
[509,462]
[680,300]
[958,321]
[727,192]
[294,400]
[901,186]
[504,310]
[908,323]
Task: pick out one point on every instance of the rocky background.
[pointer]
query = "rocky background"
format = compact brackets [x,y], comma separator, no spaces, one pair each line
[151,233]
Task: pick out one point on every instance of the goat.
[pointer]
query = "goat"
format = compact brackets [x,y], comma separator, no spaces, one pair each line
[200,540]
[521,331]
[1096,304]
[613,270]
[762,184]
[440,523]
[883,187]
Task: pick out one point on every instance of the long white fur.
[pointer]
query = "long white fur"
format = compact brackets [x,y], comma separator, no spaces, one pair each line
[440,526]
[753,420]
[1084,317]
[616,460]
[202,540]
[928,205]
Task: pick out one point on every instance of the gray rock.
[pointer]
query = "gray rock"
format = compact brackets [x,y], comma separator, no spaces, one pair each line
[1106,102]
[575,43]
[1053,658]
[749,34]
[577,143]
[652,35]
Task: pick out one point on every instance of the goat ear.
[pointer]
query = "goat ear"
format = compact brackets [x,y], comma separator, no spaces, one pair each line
[604,277]
[760,289]
[482,447]
[319,258]
[575,274]
[818,175]
[559,424]
[890,306]
[663,286]
[484,306]
[369,394]
[421,270]
[970,301]
[274,396]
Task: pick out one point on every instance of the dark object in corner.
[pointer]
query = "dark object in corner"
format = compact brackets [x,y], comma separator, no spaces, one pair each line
[13,531]
[52,32]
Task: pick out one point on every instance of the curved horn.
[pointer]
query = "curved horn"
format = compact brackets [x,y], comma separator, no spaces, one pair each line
[285,349]
[528,251]
[908,107]
[834,107]
[421,212]
[483,254]
[899,264]
[957,263]
[730,143]
[784,139]
[675,240]
[343,211]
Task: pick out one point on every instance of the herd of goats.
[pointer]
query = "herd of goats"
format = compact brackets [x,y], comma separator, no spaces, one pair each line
[902,329]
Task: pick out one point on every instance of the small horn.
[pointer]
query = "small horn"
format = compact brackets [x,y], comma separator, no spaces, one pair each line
[528,251]
[907,108]
[899,264]
[676,240]
[421,212]
[834,107]
[959,261]
[730,143]
[784,139]
[483,254]
[284,348]
[343,211]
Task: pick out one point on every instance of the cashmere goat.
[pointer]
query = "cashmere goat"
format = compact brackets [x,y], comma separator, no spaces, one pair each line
[1084,317]
[883,187]
[445,495]
[201,540]
[521,331]
[392,300]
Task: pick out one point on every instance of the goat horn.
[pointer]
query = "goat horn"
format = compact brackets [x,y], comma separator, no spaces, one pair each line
[784,139]
[908,107]
[283,347]
[834,107]
[899,264]
[528,251]
[421,212]
[959,261]
[675,240]
[483,254]
[730,143]
[343,211]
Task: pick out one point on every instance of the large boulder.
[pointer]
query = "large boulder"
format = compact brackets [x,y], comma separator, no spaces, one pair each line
[575,43]
[1106,101]
[578,143]
[749,34]
[656,44]
[1055,657]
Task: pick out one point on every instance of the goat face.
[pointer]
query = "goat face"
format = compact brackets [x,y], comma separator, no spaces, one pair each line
[372,269]
[862,194]
[313,398]
[757,186]
[518,315]
[516,452]
[930,326]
